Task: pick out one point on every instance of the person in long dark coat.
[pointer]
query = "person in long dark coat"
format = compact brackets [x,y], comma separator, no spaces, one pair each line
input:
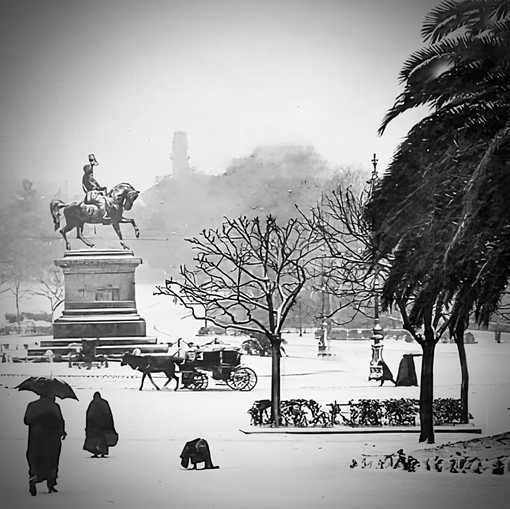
[46,430]
[99,422]
[406,371]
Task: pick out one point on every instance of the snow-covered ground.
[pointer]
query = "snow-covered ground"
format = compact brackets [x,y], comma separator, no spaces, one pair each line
[266,471]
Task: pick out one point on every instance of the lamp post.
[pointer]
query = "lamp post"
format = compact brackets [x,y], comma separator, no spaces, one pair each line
[376,362]
[323,347]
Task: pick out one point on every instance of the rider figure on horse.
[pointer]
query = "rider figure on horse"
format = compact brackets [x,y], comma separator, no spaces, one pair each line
[94,193]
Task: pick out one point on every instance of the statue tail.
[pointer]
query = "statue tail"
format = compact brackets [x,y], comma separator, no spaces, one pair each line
[55,207]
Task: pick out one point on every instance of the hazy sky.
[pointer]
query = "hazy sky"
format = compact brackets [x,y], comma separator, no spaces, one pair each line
[117,77]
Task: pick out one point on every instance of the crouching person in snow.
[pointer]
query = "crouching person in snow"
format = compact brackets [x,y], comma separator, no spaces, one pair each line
[198,452]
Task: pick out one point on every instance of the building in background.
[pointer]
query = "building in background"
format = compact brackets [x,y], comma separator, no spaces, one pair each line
[180,157]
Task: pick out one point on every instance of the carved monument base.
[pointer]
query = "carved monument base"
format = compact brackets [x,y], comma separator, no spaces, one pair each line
[99,295]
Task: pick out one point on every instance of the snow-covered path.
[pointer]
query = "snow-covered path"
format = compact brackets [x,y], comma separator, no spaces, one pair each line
[257,471]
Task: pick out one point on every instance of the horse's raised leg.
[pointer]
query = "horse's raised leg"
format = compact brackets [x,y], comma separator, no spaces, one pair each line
[171,376]
[168,378]
[150,378]
[132,222]
[116,227]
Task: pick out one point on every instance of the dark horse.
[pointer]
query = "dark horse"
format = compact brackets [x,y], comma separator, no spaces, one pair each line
[76,214]
[148,364]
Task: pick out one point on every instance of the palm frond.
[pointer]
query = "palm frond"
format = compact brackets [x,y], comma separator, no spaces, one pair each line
[501,27]
[477,66]
[454,50]
[450,16]
[501,10]
[471,16]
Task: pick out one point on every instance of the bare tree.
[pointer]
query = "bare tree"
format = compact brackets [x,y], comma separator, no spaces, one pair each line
[347,273]
[51,286]
[248,275]
[15,281]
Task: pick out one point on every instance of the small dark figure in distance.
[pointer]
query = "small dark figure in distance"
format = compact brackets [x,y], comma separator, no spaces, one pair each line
[386,374]
[99,427]
[197,451]
[46,430]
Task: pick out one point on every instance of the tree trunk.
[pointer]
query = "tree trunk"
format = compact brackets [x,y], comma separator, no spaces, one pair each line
[18,314]
[427,392]
[464,385]
[275,381]
[54,306]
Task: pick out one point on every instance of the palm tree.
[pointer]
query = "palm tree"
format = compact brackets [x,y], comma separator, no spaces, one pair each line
[464,76]
[416,205]
[458,153]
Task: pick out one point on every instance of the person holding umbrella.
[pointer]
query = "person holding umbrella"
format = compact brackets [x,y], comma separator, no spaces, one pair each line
[46,430]
[99,427]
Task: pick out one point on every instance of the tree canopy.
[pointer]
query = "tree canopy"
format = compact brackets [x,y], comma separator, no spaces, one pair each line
[247,276]
[450,176]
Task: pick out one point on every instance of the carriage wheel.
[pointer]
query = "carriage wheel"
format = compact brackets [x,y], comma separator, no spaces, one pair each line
[242,379]
[199,382]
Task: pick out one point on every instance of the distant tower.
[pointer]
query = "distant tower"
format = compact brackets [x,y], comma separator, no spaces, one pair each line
[180,158]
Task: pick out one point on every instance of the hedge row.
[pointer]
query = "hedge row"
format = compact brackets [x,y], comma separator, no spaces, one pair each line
[364,412]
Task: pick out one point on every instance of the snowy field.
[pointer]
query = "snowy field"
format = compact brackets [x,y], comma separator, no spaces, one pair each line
[262,471]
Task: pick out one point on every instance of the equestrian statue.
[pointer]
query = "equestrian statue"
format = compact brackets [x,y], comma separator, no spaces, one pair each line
[98,207]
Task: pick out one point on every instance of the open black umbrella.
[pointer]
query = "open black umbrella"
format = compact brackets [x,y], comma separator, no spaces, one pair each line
[42,385]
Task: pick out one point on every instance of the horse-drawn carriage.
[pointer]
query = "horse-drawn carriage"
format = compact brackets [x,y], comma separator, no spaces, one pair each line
[223,362]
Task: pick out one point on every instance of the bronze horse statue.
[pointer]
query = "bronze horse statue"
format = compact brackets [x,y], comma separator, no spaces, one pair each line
[76,214]
[148,364]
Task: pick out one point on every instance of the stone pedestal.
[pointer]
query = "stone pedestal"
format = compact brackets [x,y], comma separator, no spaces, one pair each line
[99,295]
